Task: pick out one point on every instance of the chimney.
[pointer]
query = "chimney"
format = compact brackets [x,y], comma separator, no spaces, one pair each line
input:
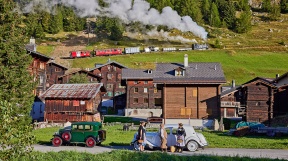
[233,83]
[185,61]
[277,76]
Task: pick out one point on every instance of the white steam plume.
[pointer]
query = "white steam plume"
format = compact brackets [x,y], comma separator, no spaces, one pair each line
[123,9]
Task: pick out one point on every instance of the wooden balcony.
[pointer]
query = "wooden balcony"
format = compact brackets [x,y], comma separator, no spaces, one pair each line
[230,104]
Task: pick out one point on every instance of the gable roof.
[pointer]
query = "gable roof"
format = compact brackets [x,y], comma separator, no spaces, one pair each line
[37,54]
[266,81]
[80,71]
[195,73]
[109,62]
[281,77]
[61,66]
[73,91]
[136,74]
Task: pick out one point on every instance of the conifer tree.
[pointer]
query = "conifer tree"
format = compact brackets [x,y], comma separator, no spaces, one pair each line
[214,18]
[16,85]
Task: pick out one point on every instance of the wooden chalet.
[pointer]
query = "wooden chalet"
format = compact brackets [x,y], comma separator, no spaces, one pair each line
[92,78]
[72,102]
[143,97]
[189,88]
[281,95]
[54,70]
[38,69]
[178,89]
[111,75]
[253,100]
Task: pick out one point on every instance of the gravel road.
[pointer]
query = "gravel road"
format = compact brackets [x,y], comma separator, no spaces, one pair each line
[253,153]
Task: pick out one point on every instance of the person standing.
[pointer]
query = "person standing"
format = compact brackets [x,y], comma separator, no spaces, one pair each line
[180,138]
[163,137]
[142,135]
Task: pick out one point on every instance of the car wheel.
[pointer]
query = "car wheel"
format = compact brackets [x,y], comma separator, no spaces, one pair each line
[90,142]
[57,141]
[66,136]
[192,145]
[136,146]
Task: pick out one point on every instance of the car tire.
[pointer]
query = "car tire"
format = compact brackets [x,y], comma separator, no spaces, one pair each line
[90,142]
[136,146]
[192,145]
[66,136]
[57,141]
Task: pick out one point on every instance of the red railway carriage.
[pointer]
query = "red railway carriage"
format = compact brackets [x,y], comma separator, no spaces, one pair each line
[79,54]
[106,52]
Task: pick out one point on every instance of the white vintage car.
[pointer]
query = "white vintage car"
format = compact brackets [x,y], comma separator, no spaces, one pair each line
[193,140]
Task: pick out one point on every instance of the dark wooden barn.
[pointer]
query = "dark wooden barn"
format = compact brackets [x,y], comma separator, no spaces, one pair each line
[54,70]
[258,97]
[92,78]
[111,77]
[73,102]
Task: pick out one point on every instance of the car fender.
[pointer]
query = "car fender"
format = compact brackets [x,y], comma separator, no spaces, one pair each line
[195,139]
[92,137]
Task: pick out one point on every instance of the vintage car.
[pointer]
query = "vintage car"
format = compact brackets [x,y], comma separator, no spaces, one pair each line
[193,140]
[89,133]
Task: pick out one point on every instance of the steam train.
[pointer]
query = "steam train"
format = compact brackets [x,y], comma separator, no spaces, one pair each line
[131,50]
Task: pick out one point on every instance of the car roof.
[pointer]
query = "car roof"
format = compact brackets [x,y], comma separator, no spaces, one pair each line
[87,123]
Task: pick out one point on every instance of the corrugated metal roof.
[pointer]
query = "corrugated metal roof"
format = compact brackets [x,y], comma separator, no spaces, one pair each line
[69,91]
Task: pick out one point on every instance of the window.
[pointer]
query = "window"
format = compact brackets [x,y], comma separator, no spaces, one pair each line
[109,76]
[155,90]
[110,86]
[75,103]
[145,90]
[109,68]
[35,63]
[135,100]
[80,127]
[57,70]
[87,127]
[41,79]
[135,90]
[146,100]
[66,103]
[74,127]
[115,68]
[145,82]
[109,94]
[135,82]
[42,65]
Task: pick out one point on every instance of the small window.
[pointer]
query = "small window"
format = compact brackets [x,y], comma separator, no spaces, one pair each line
[75,103]
[135,100]
[115,68]
[41,79]
[146,100]
[136,82]
[136,90]
[80,127]
[66,103]
[145,90]
[42,65]
[109,76]
[57,69]
[74,127]
[155,90]
[258,103]
[145,82]
[109,68]
[88,127]
[109,94]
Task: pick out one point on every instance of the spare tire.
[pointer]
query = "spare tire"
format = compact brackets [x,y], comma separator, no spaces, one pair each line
[66,136]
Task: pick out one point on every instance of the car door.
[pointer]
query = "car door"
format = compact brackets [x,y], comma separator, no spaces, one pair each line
[77,133]
[171,138]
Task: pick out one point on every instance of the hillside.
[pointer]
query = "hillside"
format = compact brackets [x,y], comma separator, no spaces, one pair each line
[260,52]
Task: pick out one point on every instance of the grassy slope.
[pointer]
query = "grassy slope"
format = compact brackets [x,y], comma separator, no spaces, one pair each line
[241,65]
[246,56]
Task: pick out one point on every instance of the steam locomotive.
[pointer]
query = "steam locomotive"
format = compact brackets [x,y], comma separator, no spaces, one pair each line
[131,50]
